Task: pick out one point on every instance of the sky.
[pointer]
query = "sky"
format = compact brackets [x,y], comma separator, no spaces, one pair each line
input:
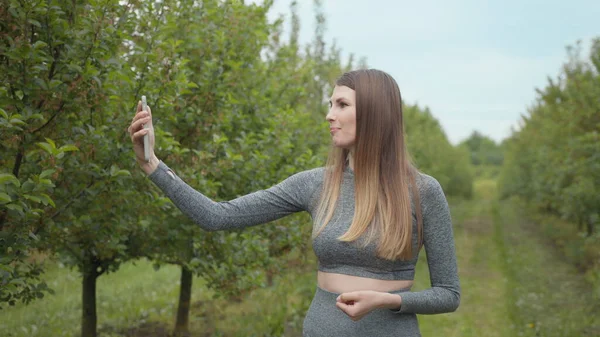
[474,64]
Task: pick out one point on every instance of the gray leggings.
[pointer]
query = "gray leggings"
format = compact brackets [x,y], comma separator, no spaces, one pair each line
[324,319]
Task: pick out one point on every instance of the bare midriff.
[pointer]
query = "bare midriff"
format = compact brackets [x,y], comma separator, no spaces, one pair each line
[341,283]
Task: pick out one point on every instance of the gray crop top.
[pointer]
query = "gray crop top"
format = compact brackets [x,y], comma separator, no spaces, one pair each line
[300,192]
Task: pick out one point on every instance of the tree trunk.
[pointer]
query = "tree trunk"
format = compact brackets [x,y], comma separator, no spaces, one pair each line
[183,309]
[270,277]
[89,318]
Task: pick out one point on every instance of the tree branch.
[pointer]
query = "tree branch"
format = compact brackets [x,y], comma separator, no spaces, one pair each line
[62,104]
[74,198]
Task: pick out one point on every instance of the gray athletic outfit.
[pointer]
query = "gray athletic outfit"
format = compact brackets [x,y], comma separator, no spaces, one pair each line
[300,192]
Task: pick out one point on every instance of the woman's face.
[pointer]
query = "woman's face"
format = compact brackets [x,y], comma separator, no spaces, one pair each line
[342,117]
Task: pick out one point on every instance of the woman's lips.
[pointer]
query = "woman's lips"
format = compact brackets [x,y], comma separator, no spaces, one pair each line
[334,130]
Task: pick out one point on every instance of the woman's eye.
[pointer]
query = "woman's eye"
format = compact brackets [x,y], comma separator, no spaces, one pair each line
[342,104]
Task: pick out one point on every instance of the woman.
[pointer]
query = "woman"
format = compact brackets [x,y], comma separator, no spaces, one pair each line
[372,212]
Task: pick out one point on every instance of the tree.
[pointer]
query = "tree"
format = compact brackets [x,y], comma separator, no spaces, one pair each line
[63,131]
[483,150]
[553,160]
[434,155]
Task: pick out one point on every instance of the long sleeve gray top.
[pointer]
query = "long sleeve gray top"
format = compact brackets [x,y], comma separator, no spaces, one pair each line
[300,192]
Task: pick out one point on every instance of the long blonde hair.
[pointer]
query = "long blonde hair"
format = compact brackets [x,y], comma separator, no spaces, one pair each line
[383,172]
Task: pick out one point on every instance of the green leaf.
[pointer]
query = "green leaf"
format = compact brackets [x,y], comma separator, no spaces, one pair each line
[9,178]
[35,23]
[17,121]
[46,200]
[15,207]
[120,173]
[54,84]
[4,198]
[17,281]
[3,113]
[47,147]
[45,181]
[13,12]
[39,44]
[51,142]
[28,186]
[75,68]
[33,236]
[32,198]
[67,148]
[47,173]
[41,83]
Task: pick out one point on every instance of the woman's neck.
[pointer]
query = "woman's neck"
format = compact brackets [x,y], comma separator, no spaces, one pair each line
[351,160]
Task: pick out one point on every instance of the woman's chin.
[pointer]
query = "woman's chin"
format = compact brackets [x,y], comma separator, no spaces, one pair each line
[345,146]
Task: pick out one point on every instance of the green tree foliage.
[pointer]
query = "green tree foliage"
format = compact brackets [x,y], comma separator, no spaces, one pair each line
[433,153]
[554,159]
[56,156]
[485,155]
[483,150]
[65,150]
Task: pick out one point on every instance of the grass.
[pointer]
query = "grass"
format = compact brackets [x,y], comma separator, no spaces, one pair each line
[138,301]
[133,295]
[513,284]
[549,295]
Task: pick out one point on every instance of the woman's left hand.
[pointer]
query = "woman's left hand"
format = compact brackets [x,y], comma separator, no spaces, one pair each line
[357,304]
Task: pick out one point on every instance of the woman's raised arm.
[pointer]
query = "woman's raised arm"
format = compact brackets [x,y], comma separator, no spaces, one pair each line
[287,197]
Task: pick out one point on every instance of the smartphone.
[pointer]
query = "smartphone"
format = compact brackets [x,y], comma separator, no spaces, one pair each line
[146,136]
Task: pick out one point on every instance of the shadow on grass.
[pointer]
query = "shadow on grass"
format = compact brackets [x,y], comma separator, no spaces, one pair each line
[145,329]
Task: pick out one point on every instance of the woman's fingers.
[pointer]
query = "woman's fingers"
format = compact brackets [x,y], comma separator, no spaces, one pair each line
[140,115]
[138,124]
[140,111]
[136,128]
[137,135]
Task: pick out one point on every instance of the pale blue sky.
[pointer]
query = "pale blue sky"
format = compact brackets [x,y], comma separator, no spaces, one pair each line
[475,64]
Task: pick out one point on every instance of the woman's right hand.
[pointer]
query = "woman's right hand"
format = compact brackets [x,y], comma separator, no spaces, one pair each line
[136,132]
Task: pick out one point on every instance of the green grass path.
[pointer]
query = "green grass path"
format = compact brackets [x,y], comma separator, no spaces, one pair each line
[548,296]
[514,283]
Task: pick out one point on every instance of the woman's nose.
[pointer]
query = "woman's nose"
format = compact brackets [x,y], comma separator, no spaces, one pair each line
[330,116]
